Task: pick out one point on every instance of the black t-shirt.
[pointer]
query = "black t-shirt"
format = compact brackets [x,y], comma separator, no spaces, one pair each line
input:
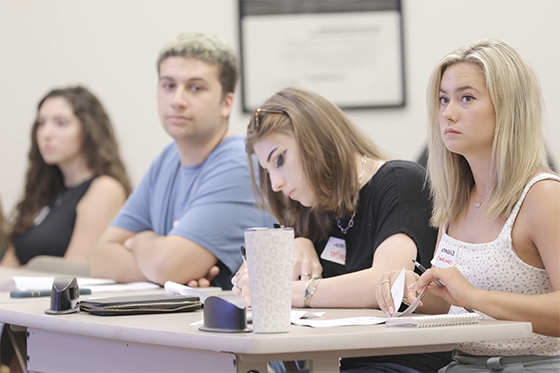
[53,227]
[395,200]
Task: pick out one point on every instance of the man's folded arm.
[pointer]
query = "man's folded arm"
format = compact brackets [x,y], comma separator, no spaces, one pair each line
[110,259]
[170,258]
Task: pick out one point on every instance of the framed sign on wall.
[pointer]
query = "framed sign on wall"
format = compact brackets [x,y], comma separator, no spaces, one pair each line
[349,51]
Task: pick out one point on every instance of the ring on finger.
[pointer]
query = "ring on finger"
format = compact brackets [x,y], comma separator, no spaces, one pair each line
[236,286]
[386,281]
[306,274]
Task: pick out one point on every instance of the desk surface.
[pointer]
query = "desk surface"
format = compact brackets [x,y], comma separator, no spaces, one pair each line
[6,273]
[131,343]
[175,330]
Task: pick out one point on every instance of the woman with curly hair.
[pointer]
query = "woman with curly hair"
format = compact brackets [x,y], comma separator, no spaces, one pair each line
[76,181]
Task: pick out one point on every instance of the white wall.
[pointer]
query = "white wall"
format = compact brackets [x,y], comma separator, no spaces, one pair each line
[110,46]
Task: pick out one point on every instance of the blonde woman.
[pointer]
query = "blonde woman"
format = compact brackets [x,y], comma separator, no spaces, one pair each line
[497,205]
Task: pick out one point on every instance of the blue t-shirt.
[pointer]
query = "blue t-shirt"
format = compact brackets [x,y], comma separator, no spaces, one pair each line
[210,204]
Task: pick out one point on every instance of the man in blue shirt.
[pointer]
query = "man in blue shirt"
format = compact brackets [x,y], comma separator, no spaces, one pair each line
[189,212]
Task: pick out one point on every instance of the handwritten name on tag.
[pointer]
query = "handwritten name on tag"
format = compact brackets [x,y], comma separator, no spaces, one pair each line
[445,257]
[335,251]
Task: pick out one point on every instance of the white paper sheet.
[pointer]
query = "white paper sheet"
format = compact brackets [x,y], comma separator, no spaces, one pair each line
[178,289]
[397,290]
[122,287]
[26,283]
[295,316]
[350,321]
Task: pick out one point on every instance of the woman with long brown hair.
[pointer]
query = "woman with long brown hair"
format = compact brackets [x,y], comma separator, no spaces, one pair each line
[355,212]
[76,181]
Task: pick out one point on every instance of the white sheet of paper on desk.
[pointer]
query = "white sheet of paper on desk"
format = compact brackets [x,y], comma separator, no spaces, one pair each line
[397,292]
[25,283]
[178,289]
[122,287]
[349,321]
[297,315]
[294,316]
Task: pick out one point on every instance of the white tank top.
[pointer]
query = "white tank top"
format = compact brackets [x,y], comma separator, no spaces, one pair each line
[495,266]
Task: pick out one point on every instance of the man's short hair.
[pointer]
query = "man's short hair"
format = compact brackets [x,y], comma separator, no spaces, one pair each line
[207,48]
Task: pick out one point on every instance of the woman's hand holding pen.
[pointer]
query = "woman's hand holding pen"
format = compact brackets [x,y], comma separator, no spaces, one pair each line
[241,284]
[306,261]
[457,290]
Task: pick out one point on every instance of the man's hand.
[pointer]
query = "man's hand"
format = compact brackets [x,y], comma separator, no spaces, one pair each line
[206,280]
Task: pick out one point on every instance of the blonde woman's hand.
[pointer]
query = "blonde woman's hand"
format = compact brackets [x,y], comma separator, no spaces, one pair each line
[457,291]
[383,291]
[306,261]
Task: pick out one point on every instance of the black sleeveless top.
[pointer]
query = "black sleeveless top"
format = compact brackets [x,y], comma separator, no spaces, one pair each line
[53,228]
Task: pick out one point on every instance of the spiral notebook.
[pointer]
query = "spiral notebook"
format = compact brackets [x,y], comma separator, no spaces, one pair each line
[428,321]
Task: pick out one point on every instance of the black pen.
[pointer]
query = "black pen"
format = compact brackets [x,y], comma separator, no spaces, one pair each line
[438,282]
[244,255]
[422,269]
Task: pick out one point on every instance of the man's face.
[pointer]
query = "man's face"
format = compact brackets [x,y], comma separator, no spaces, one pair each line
[190,104]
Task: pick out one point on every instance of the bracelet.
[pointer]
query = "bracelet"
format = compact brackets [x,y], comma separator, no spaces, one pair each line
[310,290]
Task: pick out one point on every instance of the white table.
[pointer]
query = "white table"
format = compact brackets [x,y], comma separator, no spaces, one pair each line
[168,343]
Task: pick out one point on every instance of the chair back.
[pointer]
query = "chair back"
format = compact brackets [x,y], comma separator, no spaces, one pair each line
[55,264]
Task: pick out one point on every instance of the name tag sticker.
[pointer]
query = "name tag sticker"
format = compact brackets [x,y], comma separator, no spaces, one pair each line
[445,257]
[335,251]
[41,215]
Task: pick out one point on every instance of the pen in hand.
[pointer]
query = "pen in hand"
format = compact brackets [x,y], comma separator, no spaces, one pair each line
[244,255]
[438,282]
[422,269]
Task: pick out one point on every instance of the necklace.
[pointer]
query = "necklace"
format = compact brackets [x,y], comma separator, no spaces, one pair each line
[477,204]
[351,222]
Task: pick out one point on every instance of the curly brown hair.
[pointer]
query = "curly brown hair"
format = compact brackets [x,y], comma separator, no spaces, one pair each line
[4,242]
[99,145]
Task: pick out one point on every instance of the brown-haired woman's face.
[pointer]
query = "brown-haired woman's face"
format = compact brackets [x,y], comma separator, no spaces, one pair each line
[278,154]
[59,132]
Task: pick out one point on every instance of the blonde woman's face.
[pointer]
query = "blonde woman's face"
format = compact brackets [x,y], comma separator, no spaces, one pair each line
[278,154]
[466,115]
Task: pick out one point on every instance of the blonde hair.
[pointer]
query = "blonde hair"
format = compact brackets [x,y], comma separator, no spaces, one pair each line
[207,48]
[327,142]
[518,150]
